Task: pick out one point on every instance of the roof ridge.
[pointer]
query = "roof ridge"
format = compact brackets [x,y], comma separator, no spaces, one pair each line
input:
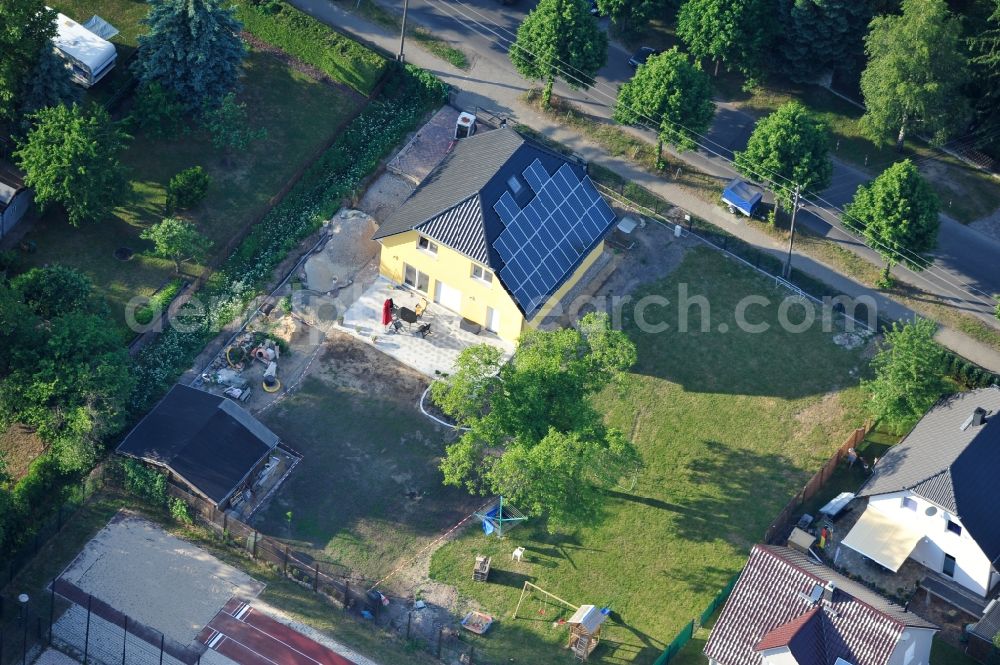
[799,622]
[770,549]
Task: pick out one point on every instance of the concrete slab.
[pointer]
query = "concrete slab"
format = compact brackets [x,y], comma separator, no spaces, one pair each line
[433,355]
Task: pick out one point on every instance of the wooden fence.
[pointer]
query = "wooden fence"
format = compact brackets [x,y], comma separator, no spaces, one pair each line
[782,524]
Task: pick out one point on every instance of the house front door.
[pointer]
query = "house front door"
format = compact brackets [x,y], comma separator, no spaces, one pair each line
[447,296]
[492,320]
[949,565]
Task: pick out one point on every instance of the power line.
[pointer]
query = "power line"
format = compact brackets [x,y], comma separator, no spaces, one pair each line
[902,256]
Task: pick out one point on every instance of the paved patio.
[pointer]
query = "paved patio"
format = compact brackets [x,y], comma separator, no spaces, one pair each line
[432,355]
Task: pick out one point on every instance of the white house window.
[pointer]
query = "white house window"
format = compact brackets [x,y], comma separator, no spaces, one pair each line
[909,504]
[954,528]
[482,274]
[414,278]
[427,245]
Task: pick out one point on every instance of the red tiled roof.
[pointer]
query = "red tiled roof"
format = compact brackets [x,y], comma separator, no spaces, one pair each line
[770,607]
[783,634]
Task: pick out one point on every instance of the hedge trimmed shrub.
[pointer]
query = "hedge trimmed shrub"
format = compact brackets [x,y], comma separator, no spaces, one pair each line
[187,189]
[409,95]
[969,375]
[300,35]
[158,302]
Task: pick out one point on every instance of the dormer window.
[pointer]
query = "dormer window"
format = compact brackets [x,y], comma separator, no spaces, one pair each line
[425,243]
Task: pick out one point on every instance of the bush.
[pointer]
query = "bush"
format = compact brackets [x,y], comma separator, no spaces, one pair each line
[187,189]
[144,482]
[160,301]
[300,35]
[410,94]
[157,112]
[179,511]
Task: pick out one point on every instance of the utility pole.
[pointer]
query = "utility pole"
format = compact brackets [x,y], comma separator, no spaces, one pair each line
[791,236]
[402,31]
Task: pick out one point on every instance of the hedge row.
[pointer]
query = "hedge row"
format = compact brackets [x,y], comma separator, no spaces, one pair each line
[970,375]
[300,35]
[409,95]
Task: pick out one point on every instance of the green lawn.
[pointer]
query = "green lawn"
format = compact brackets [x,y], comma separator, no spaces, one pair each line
[730,426]
[966,193]
[368,493]
[299,115]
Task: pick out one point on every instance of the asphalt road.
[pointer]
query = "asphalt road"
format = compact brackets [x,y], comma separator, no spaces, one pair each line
[967,263]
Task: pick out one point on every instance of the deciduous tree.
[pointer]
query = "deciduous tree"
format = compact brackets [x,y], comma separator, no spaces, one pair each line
[53,290]
[26,27]
[915,74]
[157,111]
[177,240]
[898,215]
[630,17]
[560,39]
[193,49]
[734,32]
[229,127]
[985,75]
[788,147]
[909,375]
[68,375]
[70,157]
[533,435]
[672,95]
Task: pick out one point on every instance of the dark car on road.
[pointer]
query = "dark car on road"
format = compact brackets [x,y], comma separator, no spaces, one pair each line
[641,56]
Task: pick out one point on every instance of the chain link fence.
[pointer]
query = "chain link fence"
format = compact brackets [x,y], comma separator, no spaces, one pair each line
[75,497]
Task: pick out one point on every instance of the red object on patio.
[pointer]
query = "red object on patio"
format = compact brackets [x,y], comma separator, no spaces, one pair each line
[387,312]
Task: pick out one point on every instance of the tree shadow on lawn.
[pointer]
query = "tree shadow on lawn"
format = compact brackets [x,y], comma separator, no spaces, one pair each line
[704,350]
[744,491]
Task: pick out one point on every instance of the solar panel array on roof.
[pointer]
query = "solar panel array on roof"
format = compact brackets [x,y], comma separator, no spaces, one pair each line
[543,241]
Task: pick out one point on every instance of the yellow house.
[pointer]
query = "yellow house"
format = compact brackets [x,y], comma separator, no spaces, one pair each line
[498,232]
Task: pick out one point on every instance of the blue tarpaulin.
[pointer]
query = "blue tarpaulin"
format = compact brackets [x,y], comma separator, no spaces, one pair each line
[741,196]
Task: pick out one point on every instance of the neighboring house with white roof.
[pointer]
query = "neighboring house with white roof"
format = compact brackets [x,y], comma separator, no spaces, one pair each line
[786,609]
[934,497]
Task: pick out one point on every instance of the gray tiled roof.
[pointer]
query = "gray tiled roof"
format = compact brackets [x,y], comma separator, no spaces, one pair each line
[957,469]
[464,171]
[461,227]
[857,624]
[454,205]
